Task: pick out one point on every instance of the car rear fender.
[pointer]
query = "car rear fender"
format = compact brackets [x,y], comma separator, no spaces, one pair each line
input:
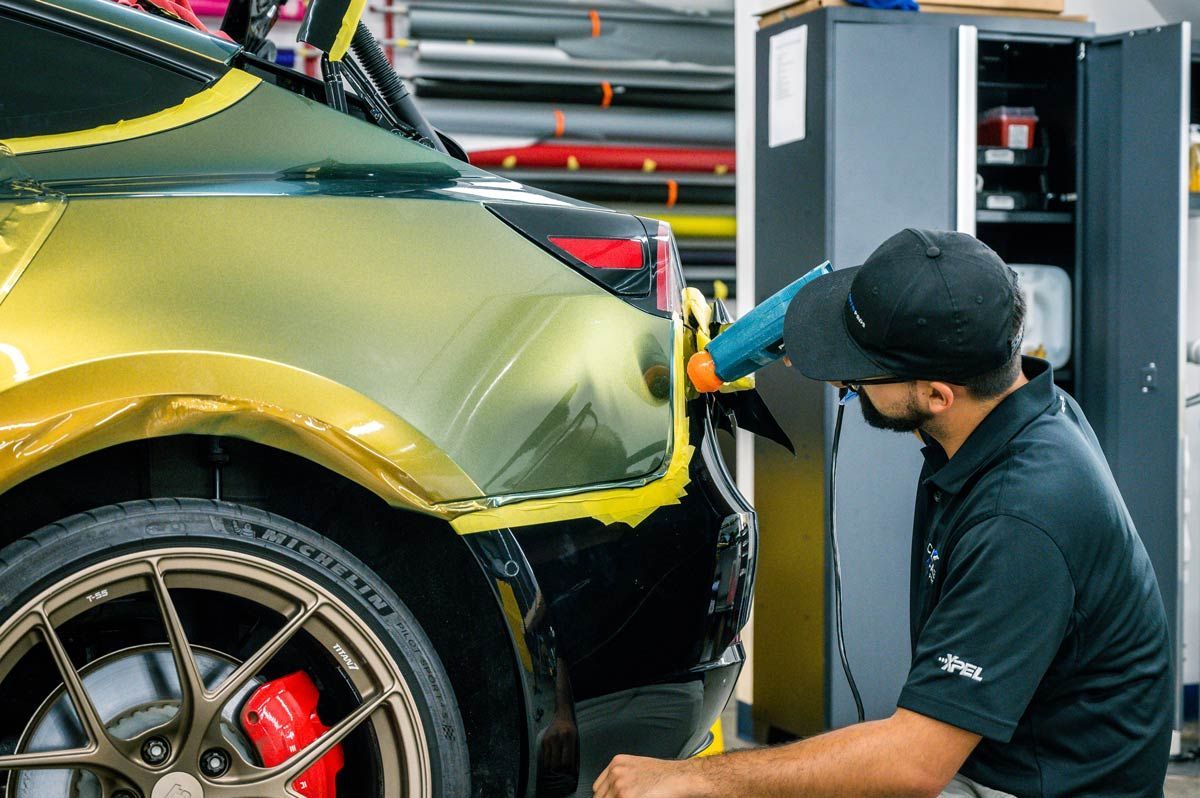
[54,418]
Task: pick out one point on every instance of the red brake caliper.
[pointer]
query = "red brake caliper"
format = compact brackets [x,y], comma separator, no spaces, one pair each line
[281,719]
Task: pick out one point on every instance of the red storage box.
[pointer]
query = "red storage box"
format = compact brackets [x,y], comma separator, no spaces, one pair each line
[1008,127]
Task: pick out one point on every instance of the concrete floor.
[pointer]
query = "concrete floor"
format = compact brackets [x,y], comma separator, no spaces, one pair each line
[1183,778]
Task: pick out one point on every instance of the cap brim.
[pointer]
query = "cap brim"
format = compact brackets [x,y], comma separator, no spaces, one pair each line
[815,336]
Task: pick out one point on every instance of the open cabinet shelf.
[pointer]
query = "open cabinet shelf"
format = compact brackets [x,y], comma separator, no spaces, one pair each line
[1022,217]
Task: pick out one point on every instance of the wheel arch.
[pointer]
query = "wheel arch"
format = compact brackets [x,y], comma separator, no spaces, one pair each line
[465,623]
[68,413]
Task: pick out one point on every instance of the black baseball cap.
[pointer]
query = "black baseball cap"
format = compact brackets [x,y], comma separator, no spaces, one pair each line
[926,305]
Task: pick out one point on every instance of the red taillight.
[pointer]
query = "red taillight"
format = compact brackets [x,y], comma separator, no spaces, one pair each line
[603,253]
[630,256]
[668,279]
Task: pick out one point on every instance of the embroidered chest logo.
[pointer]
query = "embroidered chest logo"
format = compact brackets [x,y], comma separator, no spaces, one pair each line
[952,664]
[931,563]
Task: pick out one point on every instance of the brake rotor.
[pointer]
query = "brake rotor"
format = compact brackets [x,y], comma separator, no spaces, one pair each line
[133,690]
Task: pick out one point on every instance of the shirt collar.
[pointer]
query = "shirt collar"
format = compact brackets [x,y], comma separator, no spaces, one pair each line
[997,428]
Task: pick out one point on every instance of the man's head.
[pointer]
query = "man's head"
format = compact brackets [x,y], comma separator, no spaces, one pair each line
[930,320]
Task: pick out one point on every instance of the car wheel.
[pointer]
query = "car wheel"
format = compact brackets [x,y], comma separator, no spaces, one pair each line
[198,648]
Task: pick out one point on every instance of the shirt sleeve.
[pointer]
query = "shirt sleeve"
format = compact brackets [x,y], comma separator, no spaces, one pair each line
[1004,611]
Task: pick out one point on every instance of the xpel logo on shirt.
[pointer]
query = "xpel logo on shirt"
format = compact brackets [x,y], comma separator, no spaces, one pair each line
[952,664]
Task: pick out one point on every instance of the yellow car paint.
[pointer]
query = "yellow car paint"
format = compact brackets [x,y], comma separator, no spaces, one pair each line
[26,221]
[616,505]
[415,383]
[76,410]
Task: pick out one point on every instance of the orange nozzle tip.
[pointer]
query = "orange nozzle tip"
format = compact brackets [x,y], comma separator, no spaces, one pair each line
[703,373]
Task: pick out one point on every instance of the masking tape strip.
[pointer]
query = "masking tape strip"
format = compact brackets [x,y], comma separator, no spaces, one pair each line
[341,42]
[697,307]
[612,506]
[232,87]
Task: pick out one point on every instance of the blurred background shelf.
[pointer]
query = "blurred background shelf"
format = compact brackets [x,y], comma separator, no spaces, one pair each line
[1024,217]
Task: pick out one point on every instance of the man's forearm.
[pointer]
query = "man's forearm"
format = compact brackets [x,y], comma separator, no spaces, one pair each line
[906,755]
[862,760]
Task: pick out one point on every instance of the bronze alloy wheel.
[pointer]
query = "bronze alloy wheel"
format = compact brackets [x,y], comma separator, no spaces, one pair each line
[146,640]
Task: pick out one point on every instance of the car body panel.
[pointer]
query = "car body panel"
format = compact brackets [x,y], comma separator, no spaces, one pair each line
[269,133]
[519,353]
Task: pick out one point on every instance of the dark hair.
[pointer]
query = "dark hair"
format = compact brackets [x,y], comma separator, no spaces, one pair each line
[995,382]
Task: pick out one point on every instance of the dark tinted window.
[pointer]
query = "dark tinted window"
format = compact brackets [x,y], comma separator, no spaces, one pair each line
[53,82]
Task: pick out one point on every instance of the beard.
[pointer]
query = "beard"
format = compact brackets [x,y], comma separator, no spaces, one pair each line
[912,418]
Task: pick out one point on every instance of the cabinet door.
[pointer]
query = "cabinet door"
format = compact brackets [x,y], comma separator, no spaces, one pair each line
[1134,216]
[900,92]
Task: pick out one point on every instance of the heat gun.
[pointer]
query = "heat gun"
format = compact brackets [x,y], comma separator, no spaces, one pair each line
[754,341]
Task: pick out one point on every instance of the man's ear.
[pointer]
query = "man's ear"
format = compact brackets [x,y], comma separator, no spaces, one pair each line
[940,396]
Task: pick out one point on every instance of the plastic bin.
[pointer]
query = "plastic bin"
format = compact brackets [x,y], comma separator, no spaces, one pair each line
[1010,127]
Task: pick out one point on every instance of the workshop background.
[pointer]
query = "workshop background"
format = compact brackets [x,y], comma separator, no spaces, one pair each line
[684,110]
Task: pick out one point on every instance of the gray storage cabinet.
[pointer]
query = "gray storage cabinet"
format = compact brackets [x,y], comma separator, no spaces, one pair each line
[892,102]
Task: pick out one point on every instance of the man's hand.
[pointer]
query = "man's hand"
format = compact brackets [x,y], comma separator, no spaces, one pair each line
[640,777]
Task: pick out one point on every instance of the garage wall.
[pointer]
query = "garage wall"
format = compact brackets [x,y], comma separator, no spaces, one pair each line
[1111,16]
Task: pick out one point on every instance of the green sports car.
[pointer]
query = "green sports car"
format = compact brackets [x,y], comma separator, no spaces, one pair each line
[330,464]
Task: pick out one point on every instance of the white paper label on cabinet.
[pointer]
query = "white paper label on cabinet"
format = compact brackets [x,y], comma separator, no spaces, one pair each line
[787,86]
[1018,137]
[1006,157]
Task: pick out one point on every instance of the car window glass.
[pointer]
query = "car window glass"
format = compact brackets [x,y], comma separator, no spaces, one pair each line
[52,82]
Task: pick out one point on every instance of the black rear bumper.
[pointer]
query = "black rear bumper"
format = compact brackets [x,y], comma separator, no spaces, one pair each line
[627,638]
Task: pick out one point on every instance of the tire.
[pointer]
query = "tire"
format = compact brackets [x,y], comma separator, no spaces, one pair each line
[67,552]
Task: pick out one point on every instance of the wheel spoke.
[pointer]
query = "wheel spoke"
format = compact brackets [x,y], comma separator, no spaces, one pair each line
[259,659]
[290,770]
[191,686]
[73,759]
[89,717]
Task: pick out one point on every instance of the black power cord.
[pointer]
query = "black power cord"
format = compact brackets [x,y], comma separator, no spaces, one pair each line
[844,396]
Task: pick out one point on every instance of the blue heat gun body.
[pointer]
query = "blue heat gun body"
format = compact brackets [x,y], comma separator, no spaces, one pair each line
[753,341]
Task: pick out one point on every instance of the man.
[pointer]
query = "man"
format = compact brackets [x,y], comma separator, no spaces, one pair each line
[1040,661]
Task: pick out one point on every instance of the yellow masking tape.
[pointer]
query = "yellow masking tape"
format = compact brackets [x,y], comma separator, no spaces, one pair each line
[341,43]
[696,308]
[614,505]
[717,746]
[233,86]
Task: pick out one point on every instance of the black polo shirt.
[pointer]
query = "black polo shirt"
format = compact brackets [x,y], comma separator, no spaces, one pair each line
[1036,617]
